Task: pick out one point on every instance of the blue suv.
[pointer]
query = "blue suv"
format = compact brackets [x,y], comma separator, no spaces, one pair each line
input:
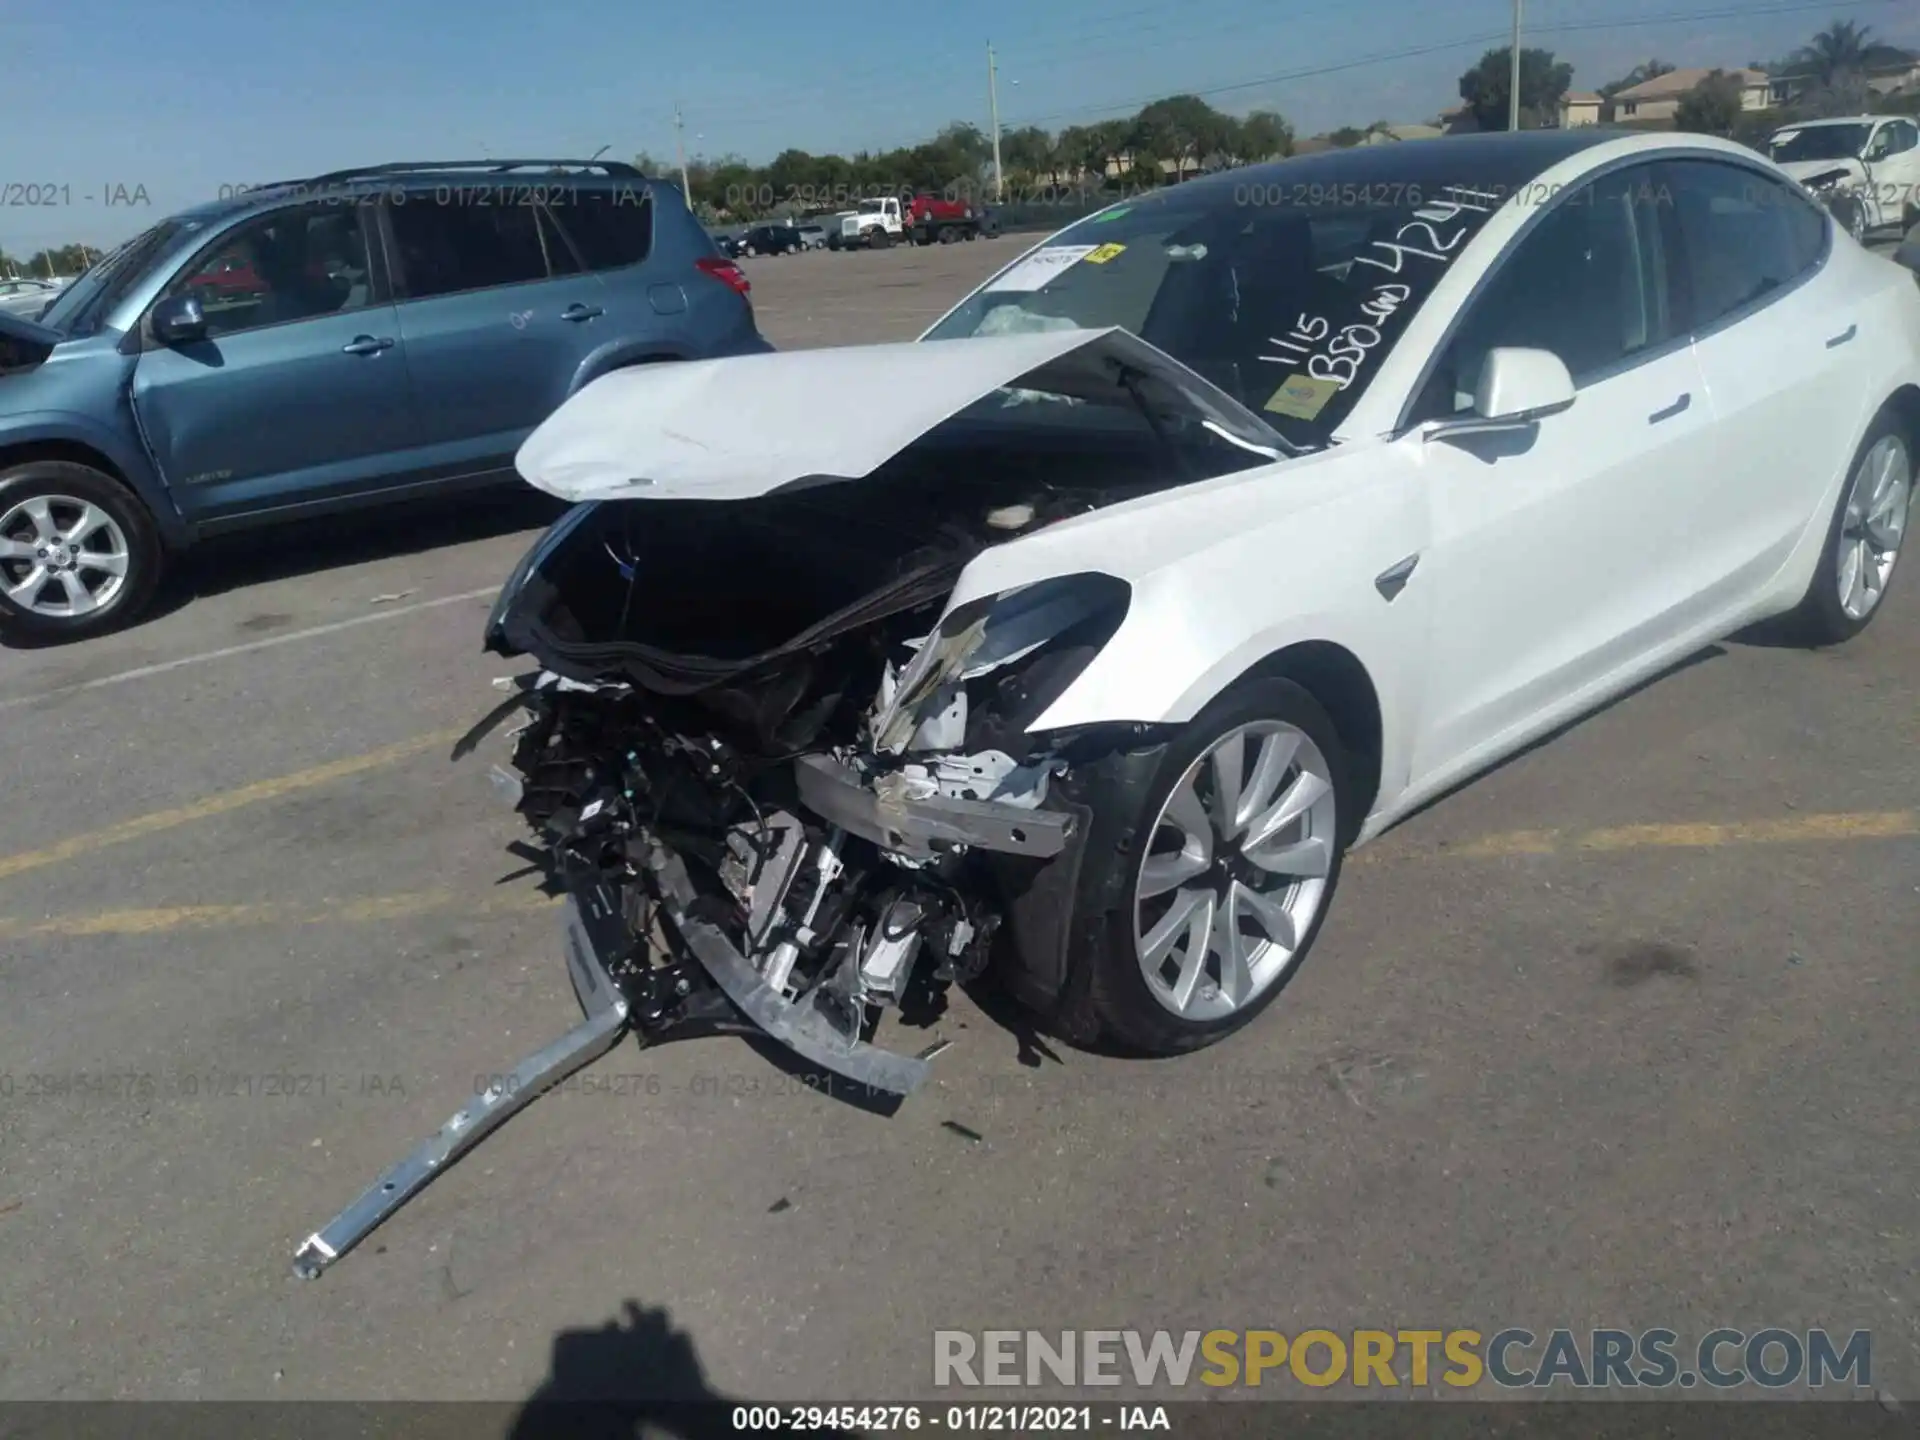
[317,345]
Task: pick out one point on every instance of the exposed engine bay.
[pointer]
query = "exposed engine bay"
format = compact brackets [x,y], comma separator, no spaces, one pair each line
[750,741]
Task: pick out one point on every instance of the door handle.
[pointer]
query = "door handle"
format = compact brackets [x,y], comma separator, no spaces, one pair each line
[1843,337]
[366,345]
[578,312]
[1676,408]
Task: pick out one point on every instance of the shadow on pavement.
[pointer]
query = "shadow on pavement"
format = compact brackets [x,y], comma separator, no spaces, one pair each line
[639,1376]
[305,547]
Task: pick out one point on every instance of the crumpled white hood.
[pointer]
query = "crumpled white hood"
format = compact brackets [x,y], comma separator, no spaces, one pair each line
[740,427]
[1802,170]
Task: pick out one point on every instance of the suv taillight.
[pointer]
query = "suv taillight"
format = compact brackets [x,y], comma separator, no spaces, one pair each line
[726,272]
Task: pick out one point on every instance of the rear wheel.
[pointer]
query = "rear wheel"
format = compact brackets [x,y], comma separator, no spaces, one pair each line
[1864,538]
[1238,852]
[78,553]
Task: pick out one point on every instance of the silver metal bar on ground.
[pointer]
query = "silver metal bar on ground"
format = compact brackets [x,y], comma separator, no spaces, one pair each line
[539,1072]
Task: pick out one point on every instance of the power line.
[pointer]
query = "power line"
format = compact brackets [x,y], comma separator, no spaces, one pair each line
[1439,47]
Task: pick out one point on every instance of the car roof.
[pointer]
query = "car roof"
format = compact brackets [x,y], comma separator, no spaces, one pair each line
[1836,120]
[1497,159]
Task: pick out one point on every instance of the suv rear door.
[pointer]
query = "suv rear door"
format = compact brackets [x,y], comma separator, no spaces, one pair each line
[497,311]
[299,391]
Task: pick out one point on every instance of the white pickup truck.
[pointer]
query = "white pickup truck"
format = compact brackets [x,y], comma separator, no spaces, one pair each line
[875,224]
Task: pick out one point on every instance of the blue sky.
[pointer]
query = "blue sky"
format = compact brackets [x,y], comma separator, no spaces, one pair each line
[182,98]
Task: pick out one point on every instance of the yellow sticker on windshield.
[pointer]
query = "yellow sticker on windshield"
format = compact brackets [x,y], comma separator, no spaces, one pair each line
[1302,396]
[1103,254]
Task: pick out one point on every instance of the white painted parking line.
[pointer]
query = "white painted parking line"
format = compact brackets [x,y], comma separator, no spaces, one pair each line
[145,671]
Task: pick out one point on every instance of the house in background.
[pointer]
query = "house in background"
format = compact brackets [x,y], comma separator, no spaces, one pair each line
[1580,107]
[1659,98]
[1390,134]
[1457,120]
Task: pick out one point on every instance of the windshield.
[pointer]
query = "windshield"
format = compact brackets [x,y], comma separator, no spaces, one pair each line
[1820,142]
[871,207]
[1286,301]
[82,306]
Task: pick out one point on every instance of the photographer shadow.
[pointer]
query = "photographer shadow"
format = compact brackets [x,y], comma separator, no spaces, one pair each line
[639,1376]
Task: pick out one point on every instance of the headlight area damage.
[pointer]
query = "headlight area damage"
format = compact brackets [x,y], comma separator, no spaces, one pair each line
[781,792]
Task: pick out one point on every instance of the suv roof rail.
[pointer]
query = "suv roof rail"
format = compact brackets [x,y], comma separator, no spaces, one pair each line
[616,168]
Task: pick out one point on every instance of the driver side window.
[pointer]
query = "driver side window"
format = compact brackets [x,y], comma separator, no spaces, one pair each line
[1588,282]
[293,264]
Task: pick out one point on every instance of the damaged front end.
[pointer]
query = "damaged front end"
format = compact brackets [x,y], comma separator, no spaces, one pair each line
[785,788]
[794,808]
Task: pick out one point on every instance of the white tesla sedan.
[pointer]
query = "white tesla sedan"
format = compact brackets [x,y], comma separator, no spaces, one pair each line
[1194,548]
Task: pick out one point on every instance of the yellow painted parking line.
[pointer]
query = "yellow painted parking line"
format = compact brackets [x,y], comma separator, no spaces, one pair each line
[165,919]
[1790,830]
[222,803]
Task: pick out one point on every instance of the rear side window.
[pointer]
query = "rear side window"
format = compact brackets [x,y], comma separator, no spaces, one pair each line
[1746,235]
[610,228]
[448,245]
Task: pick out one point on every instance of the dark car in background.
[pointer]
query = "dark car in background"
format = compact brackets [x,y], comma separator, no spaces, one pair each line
[772,240]
[313,346]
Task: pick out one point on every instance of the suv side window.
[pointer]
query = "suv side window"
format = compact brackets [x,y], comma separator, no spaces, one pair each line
[1588,282]
[1902,136]
[465,244]
[610,228]
[1746,235]
[294,264]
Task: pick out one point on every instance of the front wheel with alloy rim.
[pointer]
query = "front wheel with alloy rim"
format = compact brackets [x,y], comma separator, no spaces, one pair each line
[78,553]
[1863,541]
[1236,853]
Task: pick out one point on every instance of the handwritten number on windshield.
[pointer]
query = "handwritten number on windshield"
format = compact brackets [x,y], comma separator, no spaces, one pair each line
[1349,347]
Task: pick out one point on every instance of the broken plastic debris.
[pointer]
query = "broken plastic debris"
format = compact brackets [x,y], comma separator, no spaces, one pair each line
[1186,252]
[1011,517]
[389,599]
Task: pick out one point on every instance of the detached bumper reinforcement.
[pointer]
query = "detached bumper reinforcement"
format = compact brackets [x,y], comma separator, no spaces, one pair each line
[605,1023]
[923,828]
[798,1025]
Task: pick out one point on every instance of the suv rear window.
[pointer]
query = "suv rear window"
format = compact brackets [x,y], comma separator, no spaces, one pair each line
[450,245]
[610,228]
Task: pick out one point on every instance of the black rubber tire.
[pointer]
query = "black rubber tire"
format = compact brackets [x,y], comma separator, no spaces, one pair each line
[949,236]
[146,556]
[880,239]
[1117,992]
[1818,619]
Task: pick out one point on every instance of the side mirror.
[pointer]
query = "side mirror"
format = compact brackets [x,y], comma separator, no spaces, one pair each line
[179,320]
[1517,388]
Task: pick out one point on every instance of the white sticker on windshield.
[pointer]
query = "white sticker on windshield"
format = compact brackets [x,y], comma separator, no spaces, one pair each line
[1042,267]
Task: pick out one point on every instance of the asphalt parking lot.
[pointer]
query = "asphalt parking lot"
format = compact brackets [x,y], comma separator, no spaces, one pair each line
[1622,1034]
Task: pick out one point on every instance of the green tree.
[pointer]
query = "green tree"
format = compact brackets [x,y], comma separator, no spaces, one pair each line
[1543,81]
[1845,48]
[1346,136]
[1264,135]
[1712,107]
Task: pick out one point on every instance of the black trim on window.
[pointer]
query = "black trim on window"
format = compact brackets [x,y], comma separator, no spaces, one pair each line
[378,293]
[1694,329]
[1571,188]
[1679,294]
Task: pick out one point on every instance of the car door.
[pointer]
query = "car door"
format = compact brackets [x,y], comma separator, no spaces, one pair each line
[1775,332]
[299,392]
[1895,152]
[1557,558]
[497,313]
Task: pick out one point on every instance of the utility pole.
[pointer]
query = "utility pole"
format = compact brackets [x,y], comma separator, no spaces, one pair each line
[993,108]
[680,146]
[1513,85]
